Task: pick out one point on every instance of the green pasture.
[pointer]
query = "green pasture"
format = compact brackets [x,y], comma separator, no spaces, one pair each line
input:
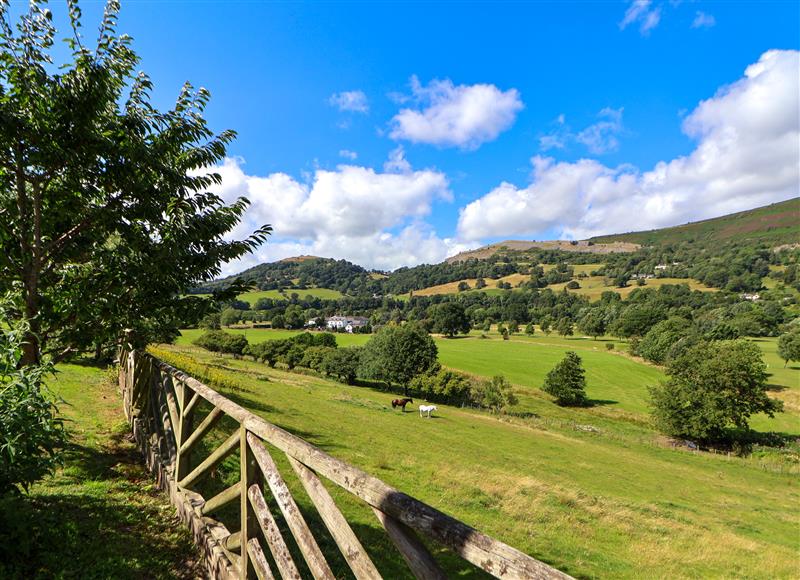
[582,492]
[616,383]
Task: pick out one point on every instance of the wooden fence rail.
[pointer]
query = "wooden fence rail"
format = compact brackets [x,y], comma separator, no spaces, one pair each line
[160,402]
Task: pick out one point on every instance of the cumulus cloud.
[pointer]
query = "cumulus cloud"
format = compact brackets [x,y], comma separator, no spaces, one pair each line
[703,20]
[462,116]
[375,219]
[347,154]
[353,101]
[600,137]
[748,146]
[643,13]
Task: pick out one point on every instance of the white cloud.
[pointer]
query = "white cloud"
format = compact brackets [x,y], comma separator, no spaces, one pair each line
[600,137]
[354,101]
[375,219]
[347,154]
[462,116]
[641,11]
[703,20]
[748,146]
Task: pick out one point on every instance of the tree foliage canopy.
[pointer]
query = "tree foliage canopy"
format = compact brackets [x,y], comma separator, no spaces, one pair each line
[566,381]
[396,354]
[713,387]
[106,217]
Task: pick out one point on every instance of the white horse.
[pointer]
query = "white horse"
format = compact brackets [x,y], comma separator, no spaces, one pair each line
[427,409]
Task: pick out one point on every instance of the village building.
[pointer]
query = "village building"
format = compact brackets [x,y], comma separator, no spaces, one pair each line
[346,323]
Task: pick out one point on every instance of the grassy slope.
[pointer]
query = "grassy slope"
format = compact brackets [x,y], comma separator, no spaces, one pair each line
[617,382]
[610,503]
[100,516]
[778,223]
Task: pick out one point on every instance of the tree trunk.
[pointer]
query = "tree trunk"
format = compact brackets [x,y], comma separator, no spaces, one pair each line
[30,245]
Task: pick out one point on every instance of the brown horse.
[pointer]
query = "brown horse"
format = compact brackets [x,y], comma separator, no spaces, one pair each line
[401,403]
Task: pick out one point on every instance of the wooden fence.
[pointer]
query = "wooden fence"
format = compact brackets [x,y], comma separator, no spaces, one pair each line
[160,402]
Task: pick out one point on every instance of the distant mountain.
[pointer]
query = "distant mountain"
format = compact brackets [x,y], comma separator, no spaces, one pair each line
[582,246]
[775,224]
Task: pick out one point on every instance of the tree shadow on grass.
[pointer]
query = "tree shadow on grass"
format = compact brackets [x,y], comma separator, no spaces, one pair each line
[100,517]
[600,402]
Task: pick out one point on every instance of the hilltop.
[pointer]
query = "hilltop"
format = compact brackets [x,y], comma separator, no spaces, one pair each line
[583,246]
[724,252]
[778,223]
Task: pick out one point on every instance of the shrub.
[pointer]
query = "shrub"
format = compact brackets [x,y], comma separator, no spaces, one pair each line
[609,346]
[495,394]
[566,382]
[573,285]
[32,436]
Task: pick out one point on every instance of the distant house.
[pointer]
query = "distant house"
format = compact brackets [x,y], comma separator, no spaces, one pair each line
[750,297]
[346,323]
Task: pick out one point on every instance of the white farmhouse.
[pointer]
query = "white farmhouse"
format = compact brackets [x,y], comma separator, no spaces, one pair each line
[346,323]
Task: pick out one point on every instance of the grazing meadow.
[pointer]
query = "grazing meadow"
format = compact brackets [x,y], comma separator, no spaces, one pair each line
[593,491]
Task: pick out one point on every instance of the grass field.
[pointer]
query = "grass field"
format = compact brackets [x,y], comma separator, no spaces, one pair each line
[100,516]
[618,383]
[591,287]
[609,502]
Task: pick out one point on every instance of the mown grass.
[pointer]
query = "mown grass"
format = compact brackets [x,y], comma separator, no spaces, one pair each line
[608,502]
[100,516]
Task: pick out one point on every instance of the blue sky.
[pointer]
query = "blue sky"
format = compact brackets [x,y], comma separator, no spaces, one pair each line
[571,105]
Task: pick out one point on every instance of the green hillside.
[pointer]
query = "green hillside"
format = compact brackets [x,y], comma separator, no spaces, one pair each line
[778,223]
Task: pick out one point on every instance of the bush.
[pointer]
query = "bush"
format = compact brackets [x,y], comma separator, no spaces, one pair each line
[712,390]
[444,386]
[609,346]
[566,382]
[32,436]
[573,285]
[495,394]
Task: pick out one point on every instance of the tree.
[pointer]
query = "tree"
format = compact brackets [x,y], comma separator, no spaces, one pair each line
[789,346]
[566,381]
[573,285]
[712,388]
[106,218]
[462,286]
[592,322]
[513,327]
[480,283]
[343,363]
[530,329]
[656,346]
[230,316]
[564,327]
[450,319]
[545,324]
[395,354]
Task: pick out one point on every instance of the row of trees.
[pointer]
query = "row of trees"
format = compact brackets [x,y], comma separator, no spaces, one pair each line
[397,357]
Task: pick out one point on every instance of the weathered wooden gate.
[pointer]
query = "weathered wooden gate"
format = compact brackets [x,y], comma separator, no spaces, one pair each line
[160,402]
